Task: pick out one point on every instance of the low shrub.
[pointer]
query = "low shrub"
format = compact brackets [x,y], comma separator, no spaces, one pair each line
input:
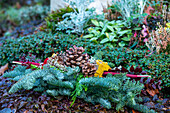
[155,65]
[43,45]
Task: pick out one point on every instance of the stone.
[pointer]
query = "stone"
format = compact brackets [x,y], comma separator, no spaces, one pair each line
[98,4]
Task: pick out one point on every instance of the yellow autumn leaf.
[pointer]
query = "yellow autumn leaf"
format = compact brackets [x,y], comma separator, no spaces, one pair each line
[102,66]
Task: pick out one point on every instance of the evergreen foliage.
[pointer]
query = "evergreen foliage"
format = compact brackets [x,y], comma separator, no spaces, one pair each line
[17,73]
[141,108]
[116,89]
[45,79]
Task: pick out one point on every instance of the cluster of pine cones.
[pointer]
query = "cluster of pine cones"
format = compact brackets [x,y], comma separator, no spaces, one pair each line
[74,57]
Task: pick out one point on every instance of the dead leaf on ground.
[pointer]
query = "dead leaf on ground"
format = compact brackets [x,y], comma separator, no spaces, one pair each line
[133,111]
[3,69]
[151,92]
[43,108]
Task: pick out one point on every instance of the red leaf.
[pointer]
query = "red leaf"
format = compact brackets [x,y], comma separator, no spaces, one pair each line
[132,69]
[124,69]
[136,70]
[148,10]
[26,111]
[156,91]
[140,70]
[117,69]
[152,81]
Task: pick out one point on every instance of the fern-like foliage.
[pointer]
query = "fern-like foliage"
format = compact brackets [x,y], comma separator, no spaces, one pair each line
[117,89]
[17,73]
[74,22]
[49,78]
[141,108]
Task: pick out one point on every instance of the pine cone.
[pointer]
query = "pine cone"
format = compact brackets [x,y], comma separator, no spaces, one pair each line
[56,59]
[89,69]
[75,57]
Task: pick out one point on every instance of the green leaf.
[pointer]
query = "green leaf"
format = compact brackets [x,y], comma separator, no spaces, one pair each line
[111,38]
[95,32]
[134,44]
[94,38]
[121,44]
[88,36]
[105,27]
[101,24]
[137,28]
[110,28]
[124,31]
[114,40]
[126,38]
[104,40]
[95,22]
[48,24]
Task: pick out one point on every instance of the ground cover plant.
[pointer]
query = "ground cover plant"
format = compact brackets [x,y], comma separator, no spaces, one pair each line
[77,60]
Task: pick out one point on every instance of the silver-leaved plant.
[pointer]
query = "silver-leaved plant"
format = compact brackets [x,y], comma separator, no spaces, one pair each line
[74,22]
[130,8]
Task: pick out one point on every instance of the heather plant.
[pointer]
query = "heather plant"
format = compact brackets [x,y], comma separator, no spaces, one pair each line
[158,40]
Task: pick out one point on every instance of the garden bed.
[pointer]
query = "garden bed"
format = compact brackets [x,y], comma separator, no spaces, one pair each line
[80,61]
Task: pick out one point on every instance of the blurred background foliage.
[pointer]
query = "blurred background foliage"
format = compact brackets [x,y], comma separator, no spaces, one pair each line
[8,3]
[21,17]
